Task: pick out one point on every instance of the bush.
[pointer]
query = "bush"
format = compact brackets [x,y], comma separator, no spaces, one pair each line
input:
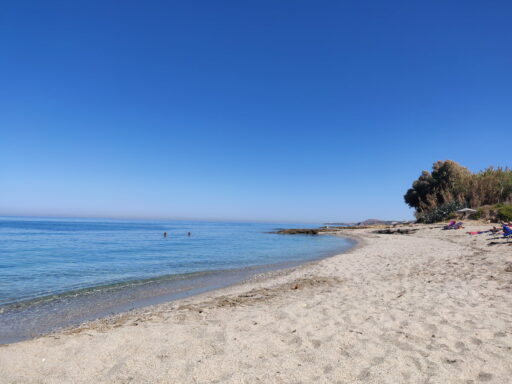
[440,213]
[449,181]
[504,212]
[477,215]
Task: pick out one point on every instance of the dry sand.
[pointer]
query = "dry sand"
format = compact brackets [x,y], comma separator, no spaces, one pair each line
[431,307]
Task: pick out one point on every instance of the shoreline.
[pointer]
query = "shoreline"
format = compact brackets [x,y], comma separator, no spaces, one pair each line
[434,306]
[33,318]
[255,280]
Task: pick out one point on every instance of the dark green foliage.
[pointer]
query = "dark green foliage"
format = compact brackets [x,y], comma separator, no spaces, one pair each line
[504,212]
[443,185]
[450,182]
[440,213]
[477,215]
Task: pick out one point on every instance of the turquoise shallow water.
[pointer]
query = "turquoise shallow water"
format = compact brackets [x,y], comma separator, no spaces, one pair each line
[58,272]
[41,257]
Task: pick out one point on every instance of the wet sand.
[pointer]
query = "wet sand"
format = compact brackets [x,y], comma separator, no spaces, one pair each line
[429,307]
[26,320]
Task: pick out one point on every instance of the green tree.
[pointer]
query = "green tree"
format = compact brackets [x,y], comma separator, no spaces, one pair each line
[446,183]
[435,194]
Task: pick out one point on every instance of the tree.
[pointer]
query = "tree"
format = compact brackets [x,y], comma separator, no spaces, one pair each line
[445,184]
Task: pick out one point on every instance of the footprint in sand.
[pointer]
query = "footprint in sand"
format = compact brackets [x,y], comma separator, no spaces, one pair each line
[328,369]
[484,376]
[364,374]
[460,346]
[415,361]
[295,341]
[430,327]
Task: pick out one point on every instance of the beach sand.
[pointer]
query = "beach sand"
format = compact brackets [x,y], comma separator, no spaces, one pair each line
[430,307]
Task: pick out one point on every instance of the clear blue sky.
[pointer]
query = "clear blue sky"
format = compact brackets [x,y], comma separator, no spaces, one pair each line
[254,110]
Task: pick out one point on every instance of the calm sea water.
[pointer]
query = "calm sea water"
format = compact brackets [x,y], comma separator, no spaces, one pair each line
[67,266]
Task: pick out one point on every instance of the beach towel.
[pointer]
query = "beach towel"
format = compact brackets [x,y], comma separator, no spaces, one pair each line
[478,233]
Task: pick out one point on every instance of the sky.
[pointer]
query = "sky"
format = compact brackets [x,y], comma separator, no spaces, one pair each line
[308,111]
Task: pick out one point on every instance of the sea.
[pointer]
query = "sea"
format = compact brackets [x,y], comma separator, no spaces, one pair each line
[60,272]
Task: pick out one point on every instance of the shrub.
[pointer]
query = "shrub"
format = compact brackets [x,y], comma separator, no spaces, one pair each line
[504,212]
[477,215]
[440,213]
[449,182]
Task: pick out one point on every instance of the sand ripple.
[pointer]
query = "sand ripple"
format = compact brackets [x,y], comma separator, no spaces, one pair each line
[429,307]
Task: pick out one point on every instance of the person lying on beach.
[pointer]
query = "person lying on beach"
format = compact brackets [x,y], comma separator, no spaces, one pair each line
[452,225]
[492,231]
[478,232]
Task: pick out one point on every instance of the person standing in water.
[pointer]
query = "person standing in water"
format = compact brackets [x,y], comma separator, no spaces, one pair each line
[165,235]
[189,234]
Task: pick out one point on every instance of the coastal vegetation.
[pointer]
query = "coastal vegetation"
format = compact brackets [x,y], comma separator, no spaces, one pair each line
[437,195]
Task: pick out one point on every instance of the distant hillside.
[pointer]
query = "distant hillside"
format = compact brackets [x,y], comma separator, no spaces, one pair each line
[365,223]
[376,222]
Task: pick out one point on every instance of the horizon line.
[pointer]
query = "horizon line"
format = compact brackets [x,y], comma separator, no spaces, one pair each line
[204,219]
[101,217]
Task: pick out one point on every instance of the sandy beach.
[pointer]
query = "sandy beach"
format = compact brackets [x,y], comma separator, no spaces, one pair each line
[429,307]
